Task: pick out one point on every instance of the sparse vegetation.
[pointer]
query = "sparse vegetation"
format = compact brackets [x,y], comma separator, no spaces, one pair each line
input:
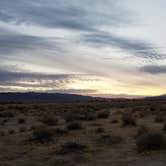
[43,134]
[72,147]
[151,141]
[103,114]
[75,131]
[128,120]
[50,120]
[6,114]
[159,119]
[22,129]
[21,120]
[142,130]
[11,131]
[109,139]
[74,126]
[100,130]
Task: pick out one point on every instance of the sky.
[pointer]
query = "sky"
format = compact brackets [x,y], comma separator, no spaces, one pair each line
[108,48]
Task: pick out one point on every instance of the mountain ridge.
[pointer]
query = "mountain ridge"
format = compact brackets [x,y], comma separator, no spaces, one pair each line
[37,97]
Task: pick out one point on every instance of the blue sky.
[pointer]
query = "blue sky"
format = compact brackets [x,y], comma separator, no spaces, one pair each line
[101,48]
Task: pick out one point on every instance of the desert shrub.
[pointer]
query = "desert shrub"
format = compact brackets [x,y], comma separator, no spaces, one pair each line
[109,140]
[72,147]
[90,115]
[11,131]
[74,126]
[142,130]
[164,126]
[84,115]
[128,120]
[32,127]
[114,121]
[103,114]
[43,134]
[6,114]
[2,133]
[21,120]
[100,130]
[4,121]
[61,130]
[50,120]
[159,119]
[60,161]
[151,141]
[22,129]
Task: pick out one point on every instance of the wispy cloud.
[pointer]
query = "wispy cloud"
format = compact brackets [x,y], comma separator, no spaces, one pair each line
[135,47]
[154,69]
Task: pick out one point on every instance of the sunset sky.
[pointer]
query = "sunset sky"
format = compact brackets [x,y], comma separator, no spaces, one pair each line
[112,48]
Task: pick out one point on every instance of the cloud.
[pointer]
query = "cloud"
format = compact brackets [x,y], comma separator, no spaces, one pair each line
[15,43]
[15,76]
[74,15]
[137,48]
[78,15]
[154,69]
[38,81]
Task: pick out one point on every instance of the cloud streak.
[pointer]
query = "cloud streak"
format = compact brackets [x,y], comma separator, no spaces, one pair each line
[154,69]
[137,48]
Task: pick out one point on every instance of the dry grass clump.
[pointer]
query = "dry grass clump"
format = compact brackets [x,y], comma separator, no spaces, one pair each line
[100,130]
[109,139]
[74,126]
[142,130]
[49,120]
[80,115]
[61,161]
[61,130]
[43,134]
[11,131]
[103,114]
[151,141]
[72,147]
[3,122]
[164,126]
[128,120]
[21,120]
[114,121]
[159,119]
[2,133]
[6,114]
[22,129]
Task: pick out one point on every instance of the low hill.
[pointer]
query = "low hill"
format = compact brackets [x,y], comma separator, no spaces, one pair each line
[32,97]
[161,97]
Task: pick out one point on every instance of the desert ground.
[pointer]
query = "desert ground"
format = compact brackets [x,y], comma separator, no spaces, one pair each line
[96,133]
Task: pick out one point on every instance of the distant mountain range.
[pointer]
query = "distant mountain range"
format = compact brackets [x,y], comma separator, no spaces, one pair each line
[32,97]
[161,97]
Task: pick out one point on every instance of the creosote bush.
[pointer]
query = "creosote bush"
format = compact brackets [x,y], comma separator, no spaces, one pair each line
[21,120]
[6,114]
[151,141]
[128,120]
[164,126]
[74,126]
[100,130]
[109,139]
[11,131]
[43,134]
[22,129]
[49,120]
[72,147]
[159,119]
[103,114]
[142,130]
